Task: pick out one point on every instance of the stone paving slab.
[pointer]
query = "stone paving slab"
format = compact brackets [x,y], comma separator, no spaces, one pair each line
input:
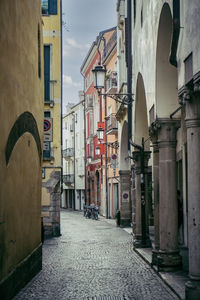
[93,260]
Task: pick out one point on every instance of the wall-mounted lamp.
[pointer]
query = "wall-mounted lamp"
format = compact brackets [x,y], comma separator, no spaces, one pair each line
[97,151]
[100,133]
[99,84]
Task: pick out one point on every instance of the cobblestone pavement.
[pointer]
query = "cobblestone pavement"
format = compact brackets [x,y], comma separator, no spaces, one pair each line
[93,260]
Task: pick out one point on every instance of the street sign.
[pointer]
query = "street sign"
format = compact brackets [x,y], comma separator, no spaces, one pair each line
[46,146]
[48,129]
[114,161]
[125,196]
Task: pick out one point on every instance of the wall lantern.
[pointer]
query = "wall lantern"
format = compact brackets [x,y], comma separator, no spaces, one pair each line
[99,77]
[98,151]
[99,84]
[100,133]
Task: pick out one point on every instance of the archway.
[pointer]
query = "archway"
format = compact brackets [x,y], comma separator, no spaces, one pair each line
[166,74]
[141,174]
[125,179]
[165,131]
[141,120]
[124,165]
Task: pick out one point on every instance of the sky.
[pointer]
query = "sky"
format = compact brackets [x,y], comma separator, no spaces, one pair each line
[82,22]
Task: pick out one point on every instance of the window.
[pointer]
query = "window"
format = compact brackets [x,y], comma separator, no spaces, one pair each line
[47,114]
[39,53]
[47,73]
[49,7]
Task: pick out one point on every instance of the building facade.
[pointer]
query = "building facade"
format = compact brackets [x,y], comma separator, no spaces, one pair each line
[164,126]
[21,131]
[73,196]
[52,162]
[110,164]
[101,187]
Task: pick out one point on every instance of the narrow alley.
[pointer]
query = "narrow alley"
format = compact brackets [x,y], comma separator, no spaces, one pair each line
[93,260]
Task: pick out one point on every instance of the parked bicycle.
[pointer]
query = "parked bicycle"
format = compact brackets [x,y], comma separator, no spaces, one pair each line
[91,211]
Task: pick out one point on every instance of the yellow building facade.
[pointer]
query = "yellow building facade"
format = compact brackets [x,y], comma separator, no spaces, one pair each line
[21,105]
[52,166]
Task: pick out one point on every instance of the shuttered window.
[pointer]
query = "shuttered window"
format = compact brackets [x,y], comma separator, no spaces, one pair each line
[49,7]
[47,73]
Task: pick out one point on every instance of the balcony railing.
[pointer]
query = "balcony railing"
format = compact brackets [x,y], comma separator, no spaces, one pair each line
[68,179]
[111,83]
[67,153]
[112,124]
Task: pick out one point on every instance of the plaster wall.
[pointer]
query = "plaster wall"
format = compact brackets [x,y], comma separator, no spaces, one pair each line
[52,37]
[21,91]
[189,41]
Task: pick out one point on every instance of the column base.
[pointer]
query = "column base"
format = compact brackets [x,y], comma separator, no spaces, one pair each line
[155,253]
[192,290]
[139,243]
[125,222]
[169,261]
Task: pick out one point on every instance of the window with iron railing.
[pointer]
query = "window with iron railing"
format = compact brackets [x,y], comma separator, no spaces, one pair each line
[68,179]
[111,81]
[112,122]
[68,152]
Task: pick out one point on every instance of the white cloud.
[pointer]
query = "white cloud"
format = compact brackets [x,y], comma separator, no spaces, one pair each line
[70,44]
[68,81]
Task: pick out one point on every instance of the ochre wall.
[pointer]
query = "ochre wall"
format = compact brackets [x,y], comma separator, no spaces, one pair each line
[21,91]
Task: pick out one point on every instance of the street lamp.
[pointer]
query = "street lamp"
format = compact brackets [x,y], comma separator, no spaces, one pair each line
[100,133]
[99,77]
[99,83]
[97,151]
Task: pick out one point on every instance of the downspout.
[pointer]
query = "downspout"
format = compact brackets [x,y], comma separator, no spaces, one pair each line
[61,95]
[176,33]
[74,117]
[84,138]
[129,68]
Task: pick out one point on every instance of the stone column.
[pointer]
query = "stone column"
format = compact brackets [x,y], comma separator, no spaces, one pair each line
[169,257]
[154,138]
[192,100]
[141,239]
[125,202]
[138,223]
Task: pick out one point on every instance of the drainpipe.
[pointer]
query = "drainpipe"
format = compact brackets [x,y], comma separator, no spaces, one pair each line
[84,137]
[74,161]
[61,95]
[129,69]
[176,32]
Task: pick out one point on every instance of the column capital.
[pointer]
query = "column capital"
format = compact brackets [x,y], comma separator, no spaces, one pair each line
[137,160]
[166,131]
[187,92]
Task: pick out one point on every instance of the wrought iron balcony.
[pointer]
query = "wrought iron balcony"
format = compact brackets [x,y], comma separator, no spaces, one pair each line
[68,179]
[111,83]
[68,153]
[112,124]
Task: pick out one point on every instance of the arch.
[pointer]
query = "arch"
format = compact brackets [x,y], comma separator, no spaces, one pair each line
[124,148]
[141,120]
[166,74]
[25,123]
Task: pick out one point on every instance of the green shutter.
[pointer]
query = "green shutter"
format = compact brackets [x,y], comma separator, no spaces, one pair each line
[47,73]
[53,7]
